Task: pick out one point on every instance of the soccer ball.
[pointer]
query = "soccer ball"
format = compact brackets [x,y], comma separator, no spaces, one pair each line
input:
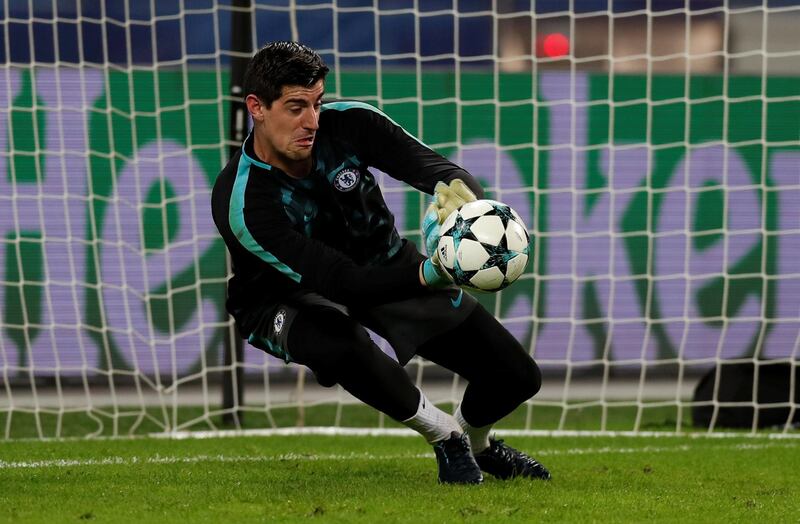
[484,245]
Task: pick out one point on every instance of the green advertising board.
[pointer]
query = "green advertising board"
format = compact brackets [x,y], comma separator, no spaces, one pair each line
[663,211]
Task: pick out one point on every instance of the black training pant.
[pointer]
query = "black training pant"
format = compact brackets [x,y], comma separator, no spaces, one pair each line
[500,373]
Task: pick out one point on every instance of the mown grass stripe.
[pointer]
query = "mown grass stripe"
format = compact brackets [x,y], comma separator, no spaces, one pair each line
[160,459]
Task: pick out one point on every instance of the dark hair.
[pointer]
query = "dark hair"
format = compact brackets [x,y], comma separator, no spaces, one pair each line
[279,64]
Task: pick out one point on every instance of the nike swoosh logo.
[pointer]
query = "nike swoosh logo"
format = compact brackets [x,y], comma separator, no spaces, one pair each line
[457,301]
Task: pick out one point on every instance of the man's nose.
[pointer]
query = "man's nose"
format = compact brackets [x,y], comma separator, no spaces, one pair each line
[311,120]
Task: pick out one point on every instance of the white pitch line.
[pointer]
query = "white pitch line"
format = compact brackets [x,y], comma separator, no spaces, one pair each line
[792,435]
[405,432]
[160,459]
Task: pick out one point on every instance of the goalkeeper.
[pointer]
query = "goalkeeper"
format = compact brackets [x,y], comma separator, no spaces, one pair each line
[317,259]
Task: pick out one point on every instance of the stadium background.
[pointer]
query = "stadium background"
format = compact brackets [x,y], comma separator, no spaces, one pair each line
[661,191]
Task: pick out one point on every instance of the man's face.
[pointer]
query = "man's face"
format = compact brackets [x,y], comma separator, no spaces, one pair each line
[290,124]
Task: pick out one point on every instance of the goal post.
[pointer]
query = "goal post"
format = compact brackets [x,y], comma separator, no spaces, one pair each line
[651,148]
[241,49]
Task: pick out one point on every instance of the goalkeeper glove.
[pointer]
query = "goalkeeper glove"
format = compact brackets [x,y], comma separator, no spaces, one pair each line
[432,274]
[446,199]
[430,230]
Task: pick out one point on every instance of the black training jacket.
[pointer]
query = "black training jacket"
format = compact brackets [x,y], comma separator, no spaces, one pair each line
[330,233]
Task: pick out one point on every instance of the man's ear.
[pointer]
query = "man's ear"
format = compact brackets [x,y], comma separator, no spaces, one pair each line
[255,107]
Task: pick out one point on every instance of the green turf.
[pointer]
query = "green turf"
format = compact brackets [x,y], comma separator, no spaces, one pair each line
[141,421]
[392,479]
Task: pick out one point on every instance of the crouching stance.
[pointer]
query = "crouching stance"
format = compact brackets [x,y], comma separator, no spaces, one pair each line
[317,260]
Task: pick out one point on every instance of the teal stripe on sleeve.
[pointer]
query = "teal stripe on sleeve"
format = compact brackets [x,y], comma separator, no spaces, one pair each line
[239,228]
[251,159]
[343,106]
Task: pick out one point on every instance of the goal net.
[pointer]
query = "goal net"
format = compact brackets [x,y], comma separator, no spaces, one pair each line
[653,149]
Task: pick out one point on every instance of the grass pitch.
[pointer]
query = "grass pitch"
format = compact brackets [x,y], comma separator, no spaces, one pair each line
[393,479]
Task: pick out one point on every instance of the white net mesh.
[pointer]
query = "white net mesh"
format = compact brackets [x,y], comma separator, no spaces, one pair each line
[653,148]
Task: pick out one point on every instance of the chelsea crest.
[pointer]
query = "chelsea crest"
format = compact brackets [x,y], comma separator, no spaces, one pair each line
[346,179]
[279,321]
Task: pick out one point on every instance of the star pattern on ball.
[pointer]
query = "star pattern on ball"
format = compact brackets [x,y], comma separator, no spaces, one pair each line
[462,229]
[505,214]
[496,256]
[499,255]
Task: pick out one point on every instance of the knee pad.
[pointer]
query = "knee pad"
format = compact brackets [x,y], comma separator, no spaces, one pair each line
[520,381]
[528,379]
[326,380]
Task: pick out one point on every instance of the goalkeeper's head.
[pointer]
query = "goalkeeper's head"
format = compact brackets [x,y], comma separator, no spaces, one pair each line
[283,87]
[280,64]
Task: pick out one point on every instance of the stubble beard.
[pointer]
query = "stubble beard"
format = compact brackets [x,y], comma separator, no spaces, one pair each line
[298,161]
